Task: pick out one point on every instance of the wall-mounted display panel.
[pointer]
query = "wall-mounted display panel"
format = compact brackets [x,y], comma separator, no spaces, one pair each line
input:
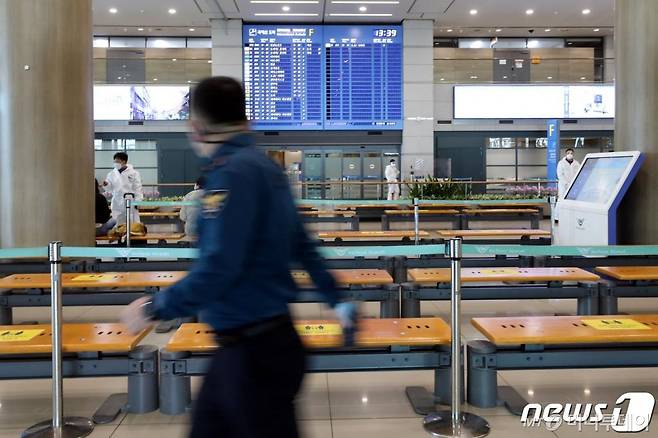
[137,102]
[533,101]
[338,77]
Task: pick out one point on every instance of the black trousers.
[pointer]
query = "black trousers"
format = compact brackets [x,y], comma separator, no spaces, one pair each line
[250,388]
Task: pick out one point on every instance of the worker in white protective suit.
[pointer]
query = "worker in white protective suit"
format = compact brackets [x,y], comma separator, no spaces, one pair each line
[121,180]
[392,174]
[567,168]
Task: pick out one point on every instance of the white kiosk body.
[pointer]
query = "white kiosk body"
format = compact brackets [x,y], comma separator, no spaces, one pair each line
[588,212]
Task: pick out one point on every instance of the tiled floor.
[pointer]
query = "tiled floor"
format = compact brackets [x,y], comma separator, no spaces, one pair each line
[344,405]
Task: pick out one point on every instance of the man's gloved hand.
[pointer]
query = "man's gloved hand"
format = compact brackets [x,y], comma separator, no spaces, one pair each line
[136,316]
[347,314]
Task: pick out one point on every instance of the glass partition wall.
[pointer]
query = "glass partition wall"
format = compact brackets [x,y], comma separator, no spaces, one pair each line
[524,158]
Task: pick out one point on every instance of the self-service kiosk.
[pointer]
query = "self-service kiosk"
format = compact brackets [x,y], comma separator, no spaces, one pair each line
[588,212]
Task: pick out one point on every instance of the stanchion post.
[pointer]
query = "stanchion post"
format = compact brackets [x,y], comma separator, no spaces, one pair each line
[416,221]
[59,426]
[129,197]
[455,423]
[55,258]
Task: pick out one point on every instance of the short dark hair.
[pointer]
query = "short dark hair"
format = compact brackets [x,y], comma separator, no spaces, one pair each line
[121,156]
[568,149]
[392,161]
[219,99]
[201,182]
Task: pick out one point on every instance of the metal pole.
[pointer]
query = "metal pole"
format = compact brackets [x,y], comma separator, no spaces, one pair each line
[59,426]
[455,329]
[455,423]
[55,258]
[129,198]
[416,221]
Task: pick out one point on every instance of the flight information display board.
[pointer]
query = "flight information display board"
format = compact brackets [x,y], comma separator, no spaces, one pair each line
[363,67]
[334,77]
[283,76]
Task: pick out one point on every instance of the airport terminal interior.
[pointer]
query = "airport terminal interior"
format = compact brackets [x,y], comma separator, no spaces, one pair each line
[480,176]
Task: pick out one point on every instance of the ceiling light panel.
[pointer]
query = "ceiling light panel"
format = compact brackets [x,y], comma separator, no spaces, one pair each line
[370,11]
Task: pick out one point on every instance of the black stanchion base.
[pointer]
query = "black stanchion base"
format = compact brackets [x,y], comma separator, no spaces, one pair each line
[72,427]
[471,426]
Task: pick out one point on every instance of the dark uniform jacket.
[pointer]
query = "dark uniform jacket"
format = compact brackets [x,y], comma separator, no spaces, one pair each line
[249,235]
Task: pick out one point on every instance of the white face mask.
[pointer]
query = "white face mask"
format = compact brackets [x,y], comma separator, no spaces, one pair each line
[393,164]
[117,166]
[569,157]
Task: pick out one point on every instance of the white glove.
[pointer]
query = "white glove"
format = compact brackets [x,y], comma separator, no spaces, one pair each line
[134,316]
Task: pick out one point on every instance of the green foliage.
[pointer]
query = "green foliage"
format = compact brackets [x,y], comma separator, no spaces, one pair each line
[438,188]
[446,189]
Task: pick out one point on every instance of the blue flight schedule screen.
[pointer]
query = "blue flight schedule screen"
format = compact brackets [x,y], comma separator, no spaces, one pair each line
[363,69]
[283,76]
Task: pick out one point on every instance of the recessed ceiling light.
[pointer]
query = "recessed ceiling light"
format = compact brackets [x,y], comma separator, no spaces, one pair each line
[362,8]
[529,11]
[549,77]
[582,78]
[155,79]
[141,29]
[474,77]
[597,29]
[504,77]
[473,11]
[285,8]
[360,15]
[210,61]
[189,82]
[113,10]
[499,30]
[172,11]
[191,29]
[174,59]
[547,30]
[119,77]
[285,14]
[442,79]
[449,30]
[586,11]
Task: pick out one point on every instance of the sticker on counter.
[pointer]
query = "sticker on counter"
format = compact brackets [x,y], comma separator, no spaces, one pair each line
[615,324]
[93,277]
[502,271]
[319,329]
[18,335]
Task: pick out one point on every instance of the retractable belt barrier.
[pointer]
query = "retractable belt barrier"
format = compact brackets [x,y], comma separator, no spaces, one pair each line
[351,252]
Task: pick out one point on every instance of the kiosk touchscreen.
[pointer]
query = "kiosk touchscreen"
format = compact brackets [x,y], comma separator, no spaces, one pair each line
[588,212]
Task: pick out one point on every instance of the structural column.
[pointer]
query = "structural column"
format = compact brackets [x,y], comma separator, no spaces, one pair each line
[46,134]
[227,48]
[418,76]
[636,122]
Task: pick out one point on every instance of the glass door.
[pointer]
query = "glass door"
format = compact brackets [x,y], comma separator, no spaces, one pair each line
[352,173]
[372,172]
[312,165]
[332,174]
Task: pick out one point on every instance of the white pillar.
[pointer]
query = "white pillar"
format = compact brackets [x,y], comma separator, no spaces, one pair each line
[636,127]
[227,48]
[418,77]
